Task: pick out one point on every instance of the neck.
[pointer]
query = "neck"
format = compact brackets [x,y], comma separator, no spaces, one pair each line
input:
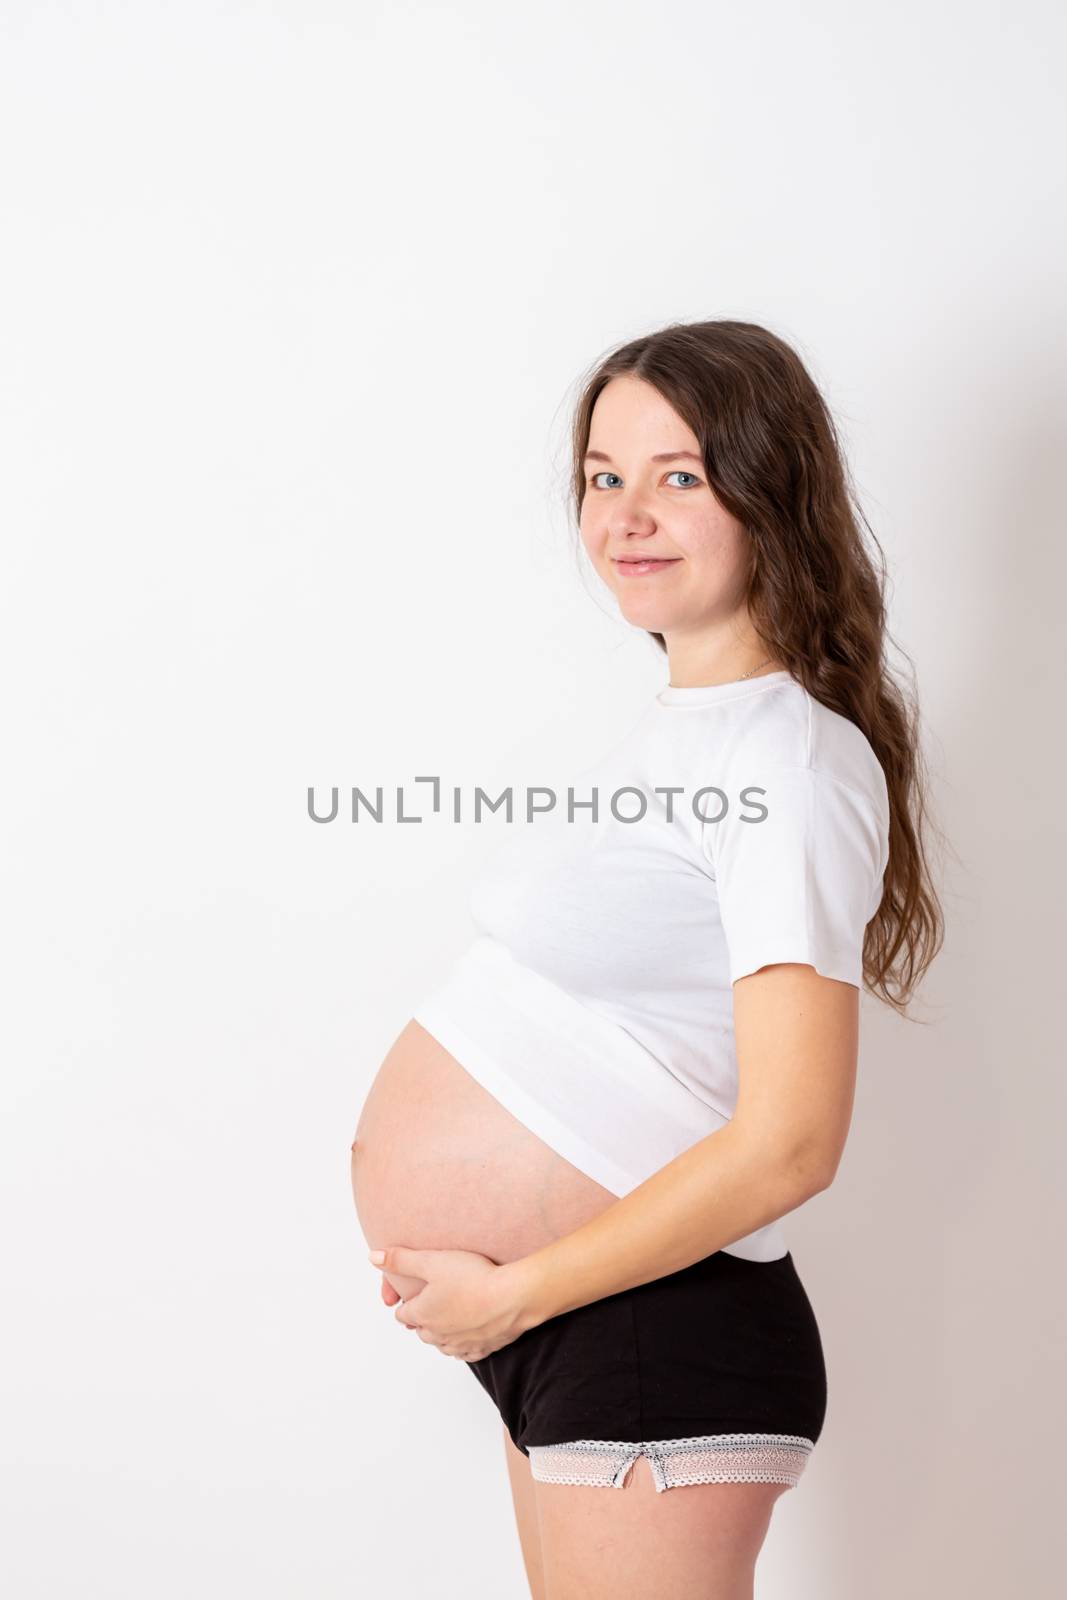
[698,665]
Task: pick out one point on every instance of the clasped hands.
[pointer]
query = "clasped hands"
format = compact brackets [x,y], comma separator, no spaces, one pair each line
[469,1305]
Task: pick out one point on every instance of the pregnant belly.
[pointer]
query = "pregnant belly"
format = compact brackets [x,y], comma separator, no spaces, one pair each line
[439,1164]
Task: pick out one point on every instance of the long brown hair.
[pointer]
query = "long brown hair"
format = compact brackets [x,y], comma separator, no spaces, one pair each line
[816,592]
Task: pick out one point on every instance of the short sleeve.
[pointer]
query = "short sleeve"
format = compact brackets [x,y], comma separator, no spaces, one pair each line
[801,883]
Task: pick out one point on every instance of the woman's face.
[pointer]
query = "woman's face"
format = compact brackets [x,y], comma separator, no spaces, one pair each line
[637,508]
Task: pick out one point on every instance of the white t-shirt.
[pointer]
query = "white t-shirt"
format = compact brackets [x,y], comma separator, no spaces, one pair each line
[595,1002]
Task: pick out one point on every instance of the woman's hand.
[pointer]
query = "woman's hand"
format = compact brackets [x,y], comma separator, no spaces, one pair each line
[469,1306]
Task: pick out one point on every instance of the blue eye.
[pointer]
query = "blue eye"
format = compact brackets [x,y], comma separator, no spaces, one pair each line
[679,472]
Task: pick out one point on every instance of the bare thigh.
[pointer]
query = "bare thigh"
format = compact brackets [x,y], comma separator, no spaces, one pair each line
[696,1541]
[522,1494]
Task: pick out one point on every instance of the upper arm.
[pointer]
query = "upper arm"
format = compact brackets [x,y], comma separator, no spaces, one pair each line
[797,1038]
[796,891]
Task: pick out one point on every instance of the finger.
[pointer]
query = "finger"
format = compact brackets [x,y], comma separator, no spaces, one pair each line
[400,1259]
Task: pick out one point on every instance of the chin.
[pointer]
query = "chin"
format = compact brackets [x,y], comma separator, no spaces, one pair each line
[648,617]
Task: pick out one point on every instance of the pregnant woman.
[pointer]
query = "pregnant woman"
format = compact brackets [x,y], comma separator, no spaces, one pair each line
[576,1157]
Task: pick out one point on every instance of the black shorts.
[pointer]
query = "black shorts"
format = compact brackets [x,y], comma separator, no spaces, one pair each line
[714,1373]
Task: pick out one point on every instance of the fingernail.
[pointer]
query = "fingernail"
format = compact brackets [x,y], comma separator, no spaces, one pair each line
[377,1256]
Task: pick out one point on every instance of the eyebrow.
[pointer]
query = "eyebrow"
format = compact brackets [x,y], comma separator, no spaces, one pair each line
[665,455]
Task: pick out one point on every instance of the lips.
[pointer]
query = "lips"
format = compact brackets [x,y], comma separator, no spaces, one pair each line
[636,567]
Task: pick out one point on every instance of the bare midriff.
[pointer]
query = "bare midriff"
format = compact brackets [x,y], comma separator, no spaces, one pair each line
[439,1164]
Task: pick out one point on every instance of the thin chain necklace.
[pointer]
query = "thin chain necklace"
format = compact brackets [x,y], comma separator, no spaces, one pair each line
[744,675]
[751,670]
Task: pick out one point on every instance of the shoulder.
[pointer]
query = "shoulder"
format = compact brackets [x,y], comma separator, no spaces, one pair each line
[786,729]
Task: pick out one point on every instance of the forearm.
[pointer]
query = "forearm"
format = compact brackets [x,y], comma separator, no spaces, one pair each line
[719,1190]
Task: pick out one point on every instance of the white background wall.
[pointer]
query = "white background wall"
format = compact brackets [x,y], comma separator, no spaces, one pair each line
[295,301]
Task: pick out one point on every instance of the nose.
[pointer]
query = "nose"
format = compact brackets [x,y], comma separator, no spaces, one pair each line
[630,520]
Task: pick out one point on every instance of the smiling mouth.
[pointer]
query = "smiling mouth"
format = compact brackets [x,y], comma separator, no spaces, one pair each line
[637,566]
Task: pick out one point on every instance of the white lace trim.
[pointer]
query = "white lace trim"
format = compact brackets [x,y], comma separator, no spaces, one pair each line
[711,1458]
